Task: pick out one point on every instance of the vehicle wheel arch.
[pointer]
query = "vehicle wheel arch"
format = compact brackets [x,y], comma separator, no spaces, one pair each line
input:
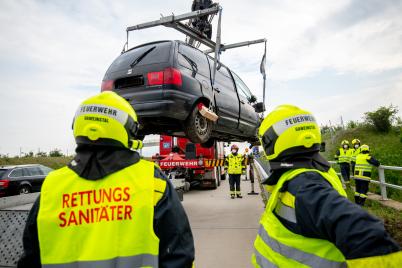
[24,184]
[198,130]
[204,100]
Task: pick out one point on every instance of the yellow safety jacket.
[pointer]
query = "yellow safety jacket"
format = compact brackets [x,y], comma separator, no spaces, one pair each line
[103,223]
[355,152]
[345,156]
[234,163]
[363,168]
[276,246]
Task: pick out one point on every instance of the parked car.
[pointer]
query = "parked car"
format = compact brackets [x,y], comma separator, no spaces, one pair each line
[22,179]
[166,81]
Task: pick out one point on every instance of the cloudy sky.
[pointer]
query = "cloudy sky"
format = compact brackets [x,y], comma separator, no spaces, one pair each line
[334,58]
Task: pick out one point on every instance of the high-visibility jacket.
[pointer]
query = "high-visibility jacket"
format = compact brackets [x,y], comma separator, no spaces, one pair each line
[363,168]
[276,246]
[102,223]
[345,156]
[354,153]
[234,163]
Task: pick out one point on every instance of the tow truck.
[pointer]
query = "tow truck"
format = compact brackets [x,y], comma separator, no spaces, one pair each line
[199,167]
[178,157]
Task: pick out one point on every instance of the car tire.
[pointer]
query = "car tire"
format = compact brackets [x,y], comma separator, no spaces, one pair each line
[24,189]
[198,129]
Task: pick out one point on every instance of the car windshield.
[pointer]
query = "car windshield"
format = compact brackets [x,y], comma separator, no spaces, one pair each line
[148,54]
[2,171]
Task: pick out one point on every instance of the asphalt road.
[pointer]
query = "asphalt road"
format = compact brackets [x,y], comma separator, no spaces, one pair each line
[224,230]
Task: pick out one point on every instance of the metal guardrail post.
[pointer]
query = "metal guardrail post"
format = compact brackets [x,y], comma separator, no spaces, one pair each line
[381,178]
[257,165]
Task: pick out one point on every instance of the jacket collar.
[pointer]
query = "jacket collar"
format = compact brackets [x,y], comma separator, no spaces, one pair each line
[96,162]
[309,160]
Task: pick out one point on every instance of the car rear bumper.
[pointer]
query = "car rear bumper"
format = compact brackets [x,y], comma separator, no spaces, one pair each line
[3,192]
[171,103]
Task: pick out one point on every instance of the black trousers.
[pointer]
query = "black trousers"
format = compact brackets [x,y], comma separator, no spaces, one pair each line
[352,165]
[234,183]
[345,171]
[362,187]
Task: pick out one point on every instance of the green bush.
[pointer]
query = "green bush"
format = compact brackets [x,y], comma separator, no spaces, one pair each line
[352,124]
[55,153]
[382,118]
[52,162]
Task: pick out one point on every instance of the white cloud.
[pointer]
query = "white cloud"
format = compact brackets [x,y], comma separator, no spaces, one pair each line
[54,53]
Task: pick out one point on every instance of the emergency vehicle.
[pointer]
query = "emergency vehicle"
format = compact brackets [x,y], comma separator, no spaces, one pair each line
[200,167]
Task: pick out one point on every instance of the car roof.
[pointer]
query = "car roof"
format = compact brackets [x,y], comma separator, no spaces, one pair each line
[147,44]
[19,166]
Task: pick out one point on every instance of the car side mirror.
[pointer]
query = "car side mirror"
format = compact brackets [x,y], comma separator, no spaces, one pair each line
[259,107]
[322,147]
[252,99]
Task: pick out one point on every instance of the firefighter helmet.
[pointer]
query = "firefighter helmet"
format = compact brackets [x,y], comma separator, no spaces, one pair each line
[364,148]
[234,146]
[355,141]
[106,119]
[289,130]
[345,142]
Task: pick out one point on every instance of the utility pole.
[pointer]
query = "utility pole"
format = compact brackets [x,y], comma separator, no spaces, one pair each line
[343,127]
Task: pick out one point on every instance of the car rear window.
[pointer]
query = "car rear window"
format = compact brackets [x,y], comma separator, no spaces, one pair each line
[159,54]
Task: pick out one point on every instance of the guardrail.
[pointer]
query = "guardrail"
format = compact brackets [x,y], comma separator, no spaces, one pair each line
[381,179]
[260,163]
[261,173]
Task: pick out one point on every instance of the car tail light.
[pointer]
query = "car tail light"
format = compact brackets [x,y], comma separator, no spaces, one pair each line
[4,183]
[155,78]
[172,76]
[107,85]
[169,76]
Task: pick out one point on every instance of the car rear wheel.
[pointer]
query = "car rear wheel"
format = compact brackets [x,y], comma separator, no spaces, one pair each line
[198,129]
[25,189]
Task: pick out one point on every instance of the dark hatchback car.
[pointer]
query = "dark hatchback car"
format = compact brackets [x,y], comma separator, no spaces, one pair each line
[22,179]
[167,81]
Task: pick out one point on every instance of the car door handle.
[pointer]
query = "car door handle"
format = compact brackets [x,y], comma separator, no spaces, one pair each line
[242,101]
[217,89]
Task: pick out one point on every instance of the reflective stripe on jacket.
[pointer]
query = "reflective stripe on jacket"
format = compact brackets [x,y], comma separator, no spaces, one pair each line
[102,223]
[363,168]
[234,163]
[345,155]
[355,152]
[276,246]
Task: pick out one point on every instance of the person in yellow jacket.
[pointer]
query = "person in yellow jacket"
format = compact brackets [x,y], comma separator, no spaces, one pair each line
[364,164]
[344,156]
[308,220]
[108,208]
[355,152]
[234,166]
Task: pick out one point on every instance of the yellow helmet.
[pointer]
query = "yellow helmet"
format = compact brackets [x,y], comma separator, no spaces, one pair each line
[345,142]
[355,141]
[106,119]
[364,148]
[289,130]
